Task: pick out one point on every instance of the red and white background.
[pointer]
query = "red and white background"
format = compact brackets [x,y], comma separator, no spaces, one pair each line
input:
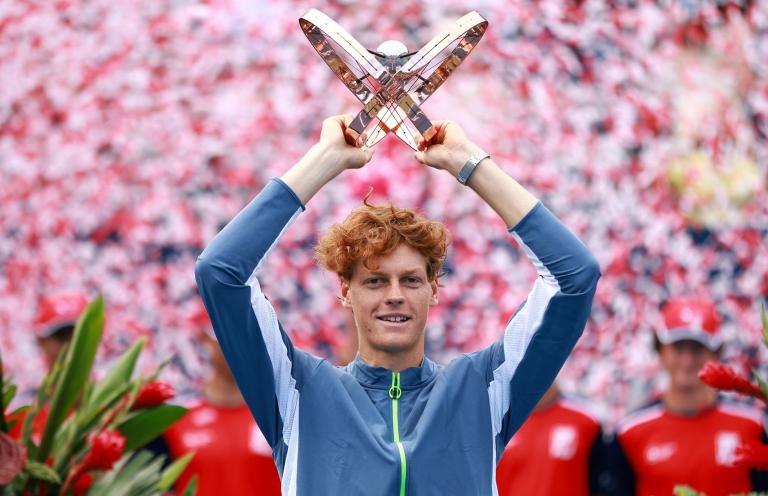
[131,131]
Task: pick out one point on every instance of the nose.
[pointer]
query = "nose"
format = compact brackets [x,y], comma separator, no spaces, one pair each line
[688,360]
[394,294]
[691,359]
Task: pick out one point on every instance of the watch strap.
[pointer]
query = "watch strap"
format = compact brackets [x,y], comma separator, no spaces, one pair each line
[470,165]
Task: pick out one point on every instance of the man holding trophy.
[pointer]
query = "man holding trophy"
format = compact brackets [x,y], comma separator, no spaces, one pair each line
[392,421]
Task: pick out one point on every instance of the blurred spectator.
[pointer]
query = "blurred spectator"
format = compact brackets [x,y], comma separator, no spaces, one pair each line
[231,454]
[558,450]
[55,322]
[54,326]
[690,435]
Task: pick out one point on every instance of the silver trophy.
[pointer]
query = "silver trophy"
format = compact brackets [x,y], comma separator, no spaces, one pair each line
[391,82]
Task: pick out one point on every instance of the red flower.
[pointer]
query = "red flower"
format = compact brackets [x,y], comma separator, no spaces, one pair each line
[152,394]
[82,484]
[13,457]
[751,454]
[722,377]
[106,448]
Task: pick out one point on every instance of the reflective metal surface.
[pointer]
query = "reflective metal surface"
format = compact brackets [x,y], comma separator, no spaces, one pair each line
[392,87]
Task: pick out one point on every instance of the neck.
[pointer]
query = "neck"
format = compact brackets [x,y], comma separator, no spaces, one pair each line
[396,362]
[689,401]
[221,390]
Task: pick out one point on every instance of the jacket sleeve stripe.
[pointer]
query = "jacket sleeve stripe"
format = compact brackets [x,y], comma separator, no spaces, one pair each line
[285,384]
[288,475]
[517,337]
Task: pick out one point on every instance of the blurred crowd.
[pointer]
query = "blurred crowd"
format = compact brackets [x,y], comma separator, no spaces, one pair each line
[130,132]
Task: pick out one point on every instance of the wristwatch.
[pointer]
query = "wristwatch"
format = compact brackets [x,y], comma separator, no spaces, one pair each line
[470,166]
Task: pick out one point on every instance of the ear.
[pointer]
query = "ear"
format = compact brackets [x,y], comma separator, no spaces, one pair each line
[435,290]
[345,293]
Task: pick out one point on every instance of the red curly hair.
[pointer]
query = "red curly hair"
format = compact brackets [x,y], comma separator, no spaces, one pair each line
[372,231]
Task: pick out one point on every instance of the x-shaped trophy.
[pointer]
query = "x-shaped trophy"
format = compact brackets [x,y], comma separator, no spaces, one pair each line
[391,82]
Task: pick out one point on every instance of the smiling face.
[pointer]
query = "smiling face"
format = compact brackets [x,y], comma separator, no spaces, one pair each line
[390,302]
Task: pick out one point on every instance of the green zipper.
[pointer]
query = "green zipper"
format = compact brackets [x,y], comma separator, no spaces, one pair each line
[395,392]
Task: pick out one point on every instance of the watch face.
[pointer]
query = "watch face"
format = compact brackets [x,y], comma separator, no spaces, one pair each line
[392,83]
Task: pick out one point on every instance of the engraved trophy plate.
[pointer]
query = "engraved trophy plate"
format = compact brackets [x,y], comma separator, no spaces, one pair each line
[390,82]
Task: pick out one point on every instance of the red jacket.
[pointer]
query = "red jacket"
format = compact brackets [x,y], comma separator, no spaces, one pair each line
[231,454]
[655,450]
[555,452]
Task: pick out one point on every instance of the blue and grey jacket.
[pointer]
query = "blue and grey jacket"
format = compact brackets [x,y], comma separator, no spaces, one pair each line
[362,430]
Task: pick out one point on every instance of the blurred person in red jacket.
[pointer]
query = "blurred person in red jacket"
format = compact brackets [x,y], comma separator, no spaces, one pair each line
[54,326]
[558,450]
[231,454]
[688,437]
[55,322]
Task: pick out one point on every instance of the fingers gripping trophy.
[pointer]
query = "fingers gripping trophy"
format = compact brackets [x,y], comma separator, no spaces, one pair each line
[392,421]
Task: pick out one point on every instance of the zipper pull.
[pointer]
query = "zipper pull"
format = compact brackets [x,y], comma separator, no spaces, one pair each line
[394,391]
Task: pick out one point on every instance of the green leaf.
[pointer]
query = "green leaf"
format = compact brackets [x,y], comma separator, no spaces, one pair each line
[75,372]
[148,424]
[191,488]
[9,391]
[154,376]
[104,397]
[686,491]
[62,445]
[173,471]
[44,392]
[43,472]
[15,416]
[117,377]
[54,374]
[762,383]
[26,431]
[101,486]
[3,423]
[136,387]
[8,395]
[133,475]
[20,410]
[764,318]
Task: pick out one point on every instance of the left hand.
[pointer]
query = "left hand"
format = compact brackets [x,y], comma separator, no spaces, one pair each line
[448,149]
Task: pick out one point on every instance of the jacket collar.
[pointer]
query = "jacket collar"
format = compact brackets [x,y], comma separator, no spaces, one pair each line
[379,377]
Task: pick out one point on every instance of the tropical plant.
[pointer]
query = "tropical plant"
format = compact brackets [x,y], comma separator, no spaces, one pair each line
[93,431]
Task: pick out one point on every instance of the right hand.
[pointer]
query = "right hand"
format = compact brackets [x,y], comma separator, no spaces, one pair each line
[338,147]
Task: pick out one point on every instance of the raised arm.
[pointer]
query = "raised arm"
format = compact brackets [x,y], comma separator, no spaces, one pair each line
[333,154]
[542,333]
[450,150]
[268,370]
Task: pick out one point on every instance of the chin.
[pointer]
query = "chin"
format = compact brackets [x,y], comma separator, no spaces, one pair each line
[394,346]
